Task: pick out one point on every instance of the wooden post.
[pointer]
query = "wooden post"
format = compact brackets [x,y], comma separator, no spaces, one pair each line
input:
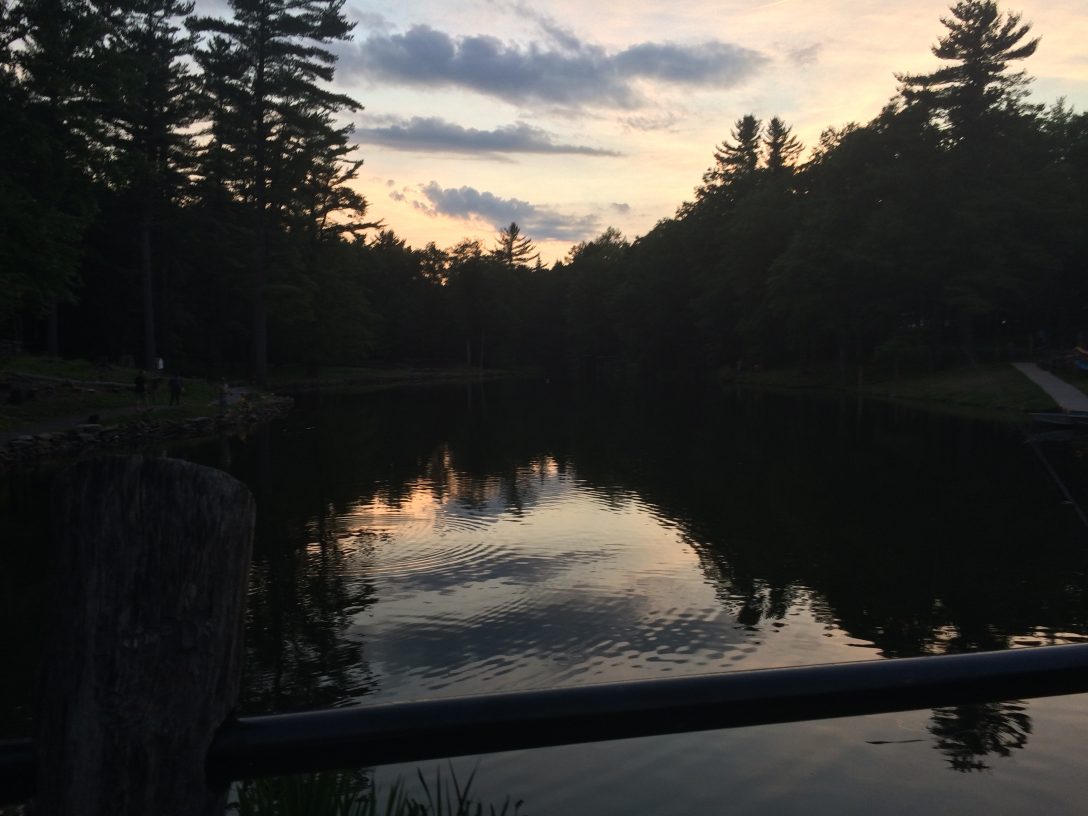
[143,651]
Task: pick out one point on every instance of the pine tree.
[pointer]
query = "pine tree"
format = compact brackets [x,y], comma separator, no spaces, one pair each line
[737,160]
[981,41]
[514,249]
[55,143]
[783,148]
[990,139]
[152,115]
[271,124]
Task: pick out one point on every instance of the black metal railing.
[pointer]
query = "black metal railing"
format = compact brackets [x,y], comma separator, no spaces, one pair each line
[430,729]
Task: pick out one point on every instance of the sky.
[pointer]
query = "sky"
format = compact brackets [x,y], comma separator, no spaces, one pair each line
[570,116]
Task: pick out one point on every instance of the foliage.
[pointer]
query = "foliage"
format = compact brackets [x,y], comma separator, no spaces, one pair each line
[514,249]
[783,148]
[272,140]
[951,222]
[68,392]
[982,42]
[736,160]
[997,387]
[335,793]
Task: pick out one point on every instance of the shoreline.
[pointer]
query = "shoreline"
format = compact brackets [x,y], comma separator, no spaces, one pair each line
[32,449]
[995,391]
[66,435]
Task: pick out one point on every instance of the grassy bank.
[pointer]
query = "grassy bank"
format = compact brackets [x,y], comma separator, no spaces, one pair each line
[55,393]
[994,387]
[71,391]
[997,387]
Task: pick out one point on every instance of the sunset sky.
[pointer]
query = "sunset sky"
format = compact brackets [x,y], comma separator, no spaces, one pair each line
[569,117]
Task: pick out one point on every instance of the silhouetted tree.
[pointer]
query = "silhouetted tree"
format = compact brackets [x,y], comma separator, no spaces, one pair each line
[968,734]
[58,74]
[981,42]
[514,249]
[979,105]
[783,148]
[272,123]
[735,160]
[152,115]
[593,271]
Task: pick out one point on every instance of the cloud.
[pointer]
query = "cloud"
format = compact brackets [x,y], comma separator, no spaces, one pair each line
[432,134]
[620,207]
[563,71]
[802,56]
[700,64]
[539,223]
[664,121]
[370,20]
[563,37]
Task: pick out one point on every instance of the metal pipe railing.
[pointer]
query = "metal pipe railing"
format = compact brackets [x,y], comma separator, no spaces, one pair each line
[430,729]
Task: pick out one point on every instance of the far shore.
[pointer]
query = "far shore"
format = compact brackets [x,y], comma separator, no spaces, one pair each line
[995,390]
[65,408]
[53,409]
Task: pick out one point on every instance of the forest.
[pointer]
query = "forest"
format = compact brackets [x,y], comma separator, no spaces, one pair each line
[180,186]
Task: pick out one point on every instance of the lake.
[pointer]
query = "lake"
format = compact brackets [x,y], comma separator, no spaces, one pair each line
[458,540]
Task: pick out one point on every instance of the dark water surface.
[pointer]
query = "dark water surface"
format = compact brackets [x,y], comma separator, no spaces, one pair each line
[446,541]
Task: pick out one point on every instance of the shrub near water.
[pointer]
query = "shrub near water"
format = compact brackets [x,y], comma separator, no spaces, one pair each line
[348,793]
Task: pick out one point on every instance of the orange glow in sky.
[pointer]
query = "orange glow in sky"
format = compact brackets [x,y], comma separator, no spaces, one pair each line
[570,117]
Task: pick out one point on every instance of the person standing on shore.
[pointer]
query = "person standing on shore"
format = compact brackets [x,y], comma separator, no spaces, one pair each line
[141,391]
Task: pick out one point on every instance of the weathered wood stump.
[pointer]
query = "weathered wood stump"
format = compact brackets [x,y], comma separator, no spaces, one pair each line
[143,650]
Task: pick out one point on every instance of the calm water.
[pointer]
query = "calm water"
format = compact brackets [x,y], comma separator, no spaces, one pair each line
[449,541]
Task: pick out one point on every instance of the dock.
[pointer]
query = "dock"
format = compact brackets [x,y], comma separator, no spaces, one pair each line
[1069,397]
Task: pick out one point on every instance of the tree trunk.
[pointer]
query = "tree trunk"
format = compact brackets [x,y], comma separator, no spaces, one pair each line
[143,650]
[150,352]
[260,236]
[52,330]
[260,315]
[260,284]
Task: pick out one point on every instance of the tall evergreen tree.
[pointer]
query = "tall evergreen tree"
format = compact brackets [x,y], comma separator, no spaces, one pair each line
[981,42]
[979,105]
[56,139]
[271,121]
[783,148]
[514,249]
[738,159]
[156,106]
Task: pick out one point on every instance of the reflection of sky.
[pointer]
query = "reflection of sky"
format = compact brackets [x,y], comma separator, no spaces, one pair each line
[571,586]
[884,764]
[580,587]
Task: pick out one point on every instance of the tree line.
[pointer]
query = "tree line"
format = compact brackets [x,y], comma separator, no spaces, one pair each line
[180,186]
[173,181]
[947,229]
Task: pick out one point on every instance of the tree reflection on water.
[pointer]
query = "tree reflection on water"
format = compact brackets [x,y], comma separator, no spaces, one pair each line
[888,524]
[919,534]
[968,734]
